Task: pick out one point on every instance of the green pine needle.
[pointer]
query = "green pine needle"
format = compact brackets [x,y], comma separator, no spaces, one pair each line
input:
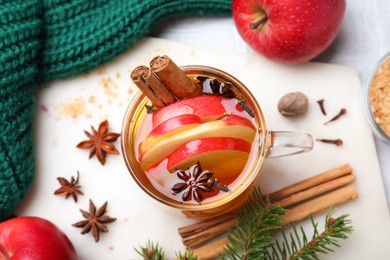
[320,243]
[187,255]
[154,252]
[257,222]
[151,251]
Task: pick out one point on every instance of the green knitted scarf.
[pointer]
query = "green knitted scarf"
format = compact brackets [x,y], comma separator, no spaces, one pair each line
[42,40]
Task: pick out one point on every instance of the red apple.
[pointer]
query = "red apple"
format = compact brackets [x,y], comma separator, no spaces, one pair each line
[289,31]
[225,157]
[230,126]
[33,238]
[206,107]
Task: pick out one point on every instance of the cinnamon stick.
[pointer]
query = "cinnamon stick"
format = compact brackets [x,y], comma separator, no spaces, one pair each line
[316,190]
[204,225]
[320,204]
[152,86]
[214,249]
[200,237]
[174,78]
[311,182]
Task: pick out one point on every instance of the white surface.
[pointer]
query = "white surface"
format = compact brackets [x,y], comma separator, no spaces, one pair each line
[363,39]
[140,218]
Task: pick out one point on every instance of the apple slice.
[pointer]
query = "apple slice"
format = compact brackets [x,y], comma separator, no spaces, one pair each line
[206,107]
[231,126]
[168,128]
[223,156]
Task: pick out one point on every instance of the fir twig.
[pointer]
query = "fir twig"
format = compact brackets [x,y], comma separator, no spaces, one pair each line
[335,229]
[151,251]
[257,222]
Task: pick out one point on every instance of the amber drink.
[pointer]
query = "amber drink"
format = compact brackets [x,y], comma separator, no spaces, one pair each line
[201,154]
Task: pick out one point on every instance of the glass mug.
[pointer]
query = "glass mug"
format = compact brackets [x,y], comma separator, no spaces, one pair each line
[266,144]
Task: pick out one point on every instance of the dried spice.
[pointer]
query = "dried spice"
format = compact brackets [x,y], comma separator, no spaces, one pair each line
[195,182]
[95,220]
[69,188]
[342,112]
[225,89]
[322,107]
[150,109]
[100,142]
[293,104]
[245,106]
[337,142]
[215,87]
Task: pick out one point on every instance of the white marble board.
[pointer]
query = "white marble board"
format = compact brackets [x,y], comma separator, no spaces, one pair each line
[67,107]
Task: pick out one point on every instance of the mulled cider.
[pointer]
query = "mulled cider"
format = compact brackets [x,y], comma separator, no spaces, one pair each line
[194,138]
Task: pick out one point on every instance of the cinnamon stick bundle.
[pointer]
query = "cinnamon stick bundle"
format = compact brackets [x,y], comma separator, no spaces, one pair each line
[164,82]
[316,194]
[215,248]
[152,86]
[174,78]
[199,233]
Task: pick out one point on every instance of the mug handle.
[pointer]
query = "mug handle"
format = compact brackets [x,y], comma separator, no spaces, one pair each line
[283,143]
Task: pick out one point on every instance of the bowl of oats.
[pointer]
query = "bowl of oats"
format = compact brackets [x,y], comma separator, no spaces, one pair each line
[378,98]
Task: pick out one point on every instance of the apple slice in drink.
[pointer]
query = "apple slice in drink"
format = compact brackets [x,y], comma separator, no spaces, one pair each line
[231,126]
[206,107]
[168,128]
[223,156]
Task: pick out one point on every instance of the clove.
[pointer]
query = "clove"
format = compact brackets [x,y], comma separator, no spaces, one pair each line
[150,109]
[213,182]
[321,104]
[342,112]
[247,109]
[337,142]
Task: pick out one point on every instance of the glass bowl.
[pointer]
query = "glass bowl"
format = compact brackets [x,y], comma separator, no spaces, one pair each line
[377,98]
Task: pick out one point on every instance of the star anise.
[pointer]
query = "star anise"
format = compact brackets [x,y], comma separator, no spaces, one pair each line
[96,220]
[195,183]
[100,142]
[69,188]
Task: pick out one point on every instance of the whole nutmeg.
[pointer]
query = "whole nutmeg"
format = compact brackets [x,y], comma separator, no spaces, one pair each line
[293,104]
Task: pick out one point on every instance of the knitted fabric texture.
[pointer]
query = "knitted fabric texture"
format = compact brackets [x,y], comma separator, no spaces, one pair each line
[42,40]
